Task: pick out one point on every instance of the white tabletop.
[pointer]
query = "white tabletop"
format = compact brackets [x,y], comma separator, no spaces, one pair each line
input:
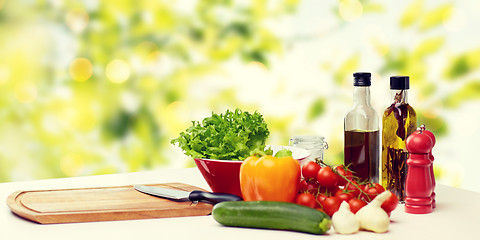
[456,216]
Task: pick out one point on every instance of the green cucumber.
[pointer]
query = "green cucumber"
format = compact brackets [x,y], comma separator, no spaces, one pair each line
[271,215]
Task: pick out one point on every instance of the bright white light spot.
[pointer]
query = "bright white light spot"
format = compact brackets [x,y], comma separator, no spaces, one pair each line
[118,71]
[77,19]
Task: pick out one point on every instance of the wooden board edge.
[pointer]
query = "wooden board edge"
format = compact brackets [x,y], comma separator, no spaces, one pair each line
[176,185]
[19,209]
[81,217]
[24,212]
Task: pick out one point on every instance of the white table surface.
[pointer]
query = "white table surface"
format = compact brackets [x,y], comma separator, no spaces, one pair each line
[457,216]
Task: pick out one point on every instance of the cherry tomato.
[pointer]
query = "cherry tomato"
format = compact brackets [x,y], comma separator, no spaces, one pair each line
[310,170]
[355,204]
[327,178]
[309,186]
[343,195]
[306,199]
[303,185]
[321,197]
[379,187]
[342,170]
[372,190]
[390,204]
[331,205]
[353,188]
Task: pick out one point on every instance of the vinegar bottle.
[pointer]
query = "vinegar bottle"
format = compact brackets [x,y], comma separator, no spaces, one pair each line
[362,145]
[399,121]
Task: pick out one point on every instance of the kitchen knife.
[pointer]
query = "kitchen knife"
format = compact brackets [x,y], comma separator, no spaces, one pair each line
[180,195]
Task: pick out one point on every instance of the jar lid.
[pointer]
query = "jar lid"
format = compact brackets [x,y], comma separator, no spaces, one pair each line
[309,142]
[399,82]
[362,79]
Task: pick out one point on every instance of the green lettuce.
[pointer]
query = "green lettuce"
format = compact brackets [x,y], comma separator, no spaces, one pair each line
[229,136]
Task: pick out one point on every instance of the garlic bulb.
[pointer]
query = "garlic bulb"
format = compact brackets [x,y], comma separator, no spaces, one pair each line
[372,217]
[344,221]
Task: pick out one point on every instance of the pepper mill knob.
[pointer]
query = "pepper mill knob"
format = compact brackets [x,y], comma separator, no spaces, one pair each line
[419,142]
[418,185]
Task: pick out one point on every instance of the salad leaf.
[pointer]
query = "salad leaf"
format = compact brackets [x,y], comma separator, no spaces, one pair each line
[283,153]
[229,136]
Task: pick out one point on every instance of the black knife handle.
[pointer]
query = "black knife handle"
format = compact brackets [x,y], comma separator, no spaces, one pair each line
[212,197]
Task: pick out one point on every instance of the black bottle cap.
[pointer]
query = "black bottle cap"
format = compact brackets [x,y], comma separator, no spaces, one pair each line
[399,82]
[362,79]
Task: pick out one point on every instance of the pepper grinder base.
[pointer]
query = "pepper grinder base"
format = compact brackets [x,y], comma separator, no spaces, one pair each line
[418,205]
[418,209]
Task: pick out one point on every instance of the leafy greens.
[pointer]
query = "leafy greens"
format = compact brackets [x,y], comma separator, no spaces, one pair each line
[228,136]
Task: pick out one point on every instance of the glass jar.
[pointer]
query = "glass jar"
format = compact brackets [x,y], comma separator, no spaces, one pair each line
[315,144]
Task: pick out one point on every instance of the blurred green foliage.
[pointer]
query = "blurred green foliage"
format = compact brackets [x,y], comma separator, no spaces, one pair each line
[462,65]
[317,109]
[91,87]
[98,87]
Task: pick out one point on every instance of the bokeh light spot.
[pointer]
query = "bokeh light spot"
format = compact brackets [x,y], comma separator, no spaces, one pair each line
[118,71]
[26,92]
[81,69]
[350,10]
[77,20]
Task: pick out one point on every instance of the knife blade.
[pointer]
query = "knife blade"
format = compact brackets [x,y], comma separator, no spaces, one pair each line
[180,195]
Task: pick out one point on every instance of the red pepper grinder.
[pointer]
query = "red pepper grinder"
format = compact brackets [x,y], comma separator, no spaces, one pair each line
[418,185]
[430,155]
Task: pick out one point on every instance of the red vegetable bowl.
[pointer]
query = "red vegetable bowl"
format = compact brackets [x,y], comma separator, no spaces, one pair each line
[223,175]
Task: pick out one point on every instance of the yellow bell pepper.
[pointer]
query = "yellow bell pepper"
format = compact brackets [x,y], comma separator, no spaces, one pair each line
[269,178]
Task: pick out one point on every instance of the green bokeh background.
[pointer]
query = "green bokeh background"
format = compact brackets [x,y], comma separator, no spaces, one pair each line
[99,87]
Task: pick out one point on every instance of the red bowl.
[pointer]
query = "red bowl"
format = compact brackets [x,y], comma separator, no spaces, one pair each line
[223,175]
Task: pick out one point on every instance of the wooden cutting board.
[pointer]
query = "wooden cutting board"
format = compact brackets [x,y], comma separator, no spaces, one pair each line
[101,204]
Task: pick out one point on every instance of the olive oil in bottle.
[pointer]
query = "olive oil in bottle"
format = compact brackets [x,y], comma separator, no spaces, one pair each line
[399,121]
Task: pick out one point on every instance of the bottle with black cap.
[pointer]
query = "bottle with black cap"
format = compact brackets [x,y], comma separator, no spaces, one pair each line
[399,121]
[362,143]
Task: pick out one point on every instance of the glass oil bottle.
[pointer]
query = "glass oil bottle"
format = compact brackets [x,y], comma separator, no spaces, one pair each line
[399,121]
[361,139]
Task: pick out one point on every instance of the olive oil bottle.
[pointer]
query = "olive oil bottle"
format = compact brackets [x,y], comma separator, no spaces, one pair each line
[399,121]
